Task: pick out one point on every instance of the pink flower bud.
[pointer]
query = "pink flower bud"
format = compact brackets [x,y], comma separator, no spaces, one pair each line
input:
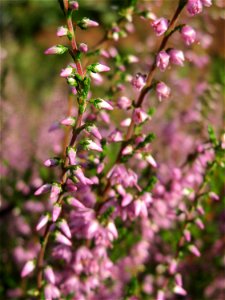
[74,202]
[64,227]
[176,57]
[194,250]
[137,207]
[70,121]
[83,48]
[81,177]
[111,228]
[101,104]
[162,60]
[55,191]
[93,146]
[74,90]
[60,238]
[42,222]
[150,159]
[97,78]
[115,136]
[139,116]
[87,23]
[51,292]
[206,3]
[57,208]
[160,295]
[179,290]
[199,223]
[94,131]
[124,102]
[127,199]
[62,31]
[200,210]
[43,189]
[160,26]
[100,168]
[74,5]
[132,59]
[58,49]
[126,122]
[66,72]
[51,162]
[163,91]
[100,68]
[194,7]
[178,279]
[49,275]
[127,150]
[214,196]
[173,266]
[138,81]
[28,268]
[187,235]
[188,34]
[71,153]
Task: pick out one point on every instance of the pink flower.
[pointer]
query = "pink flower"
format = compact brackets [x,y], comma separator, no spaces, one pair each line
[127,199]
[51,162]
[57,208]
[179,290]
[112,231]
[193,249]
[124,102]
[43,189]
[94,131]
[162,60]
[150,159]
[87,23]
[139,116]
[71,153]
[49,274]
[64,227]
[115,136]
[81,177]
[60,238]
[127,150]
[101,104]
[42,222]
[138,81]
[55,191]
[69,121]
[58,49]
[163,91]
[62,31]
[51,292]
[74,5]
[97,68]
[188,34]
[28,268]
[83,48]
[66,72]
[176,57]
[160,26]
[90,145]
[206,3]
[194,7]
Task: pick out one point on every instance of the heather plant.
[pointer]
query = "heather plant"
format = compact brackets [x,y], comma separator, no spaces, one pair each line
[127,203]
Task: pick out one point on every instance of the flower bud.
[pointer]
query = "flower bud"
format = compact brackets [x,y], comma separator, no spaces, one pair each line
[179,290]
[62,31]
[66,72]
[96,68]
[206,3]
[88,144]
[74,5]
[42,222]
[188,34]
[101,104]
[138,81]
[51,162]
[69,121]
[194,250]
[86,23]
[127,150]
[57,208]
[81,177]
[64,227]
[139,116]
[58,49]
[194,7]
[28,268]
[83,48]
[163,91]
[160,26]
[49,274]
[162,60]
[71,153]
[55,191]
[124,102]
[176,57]
[94,131]
[149,158]
[43,189]
[60,238]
